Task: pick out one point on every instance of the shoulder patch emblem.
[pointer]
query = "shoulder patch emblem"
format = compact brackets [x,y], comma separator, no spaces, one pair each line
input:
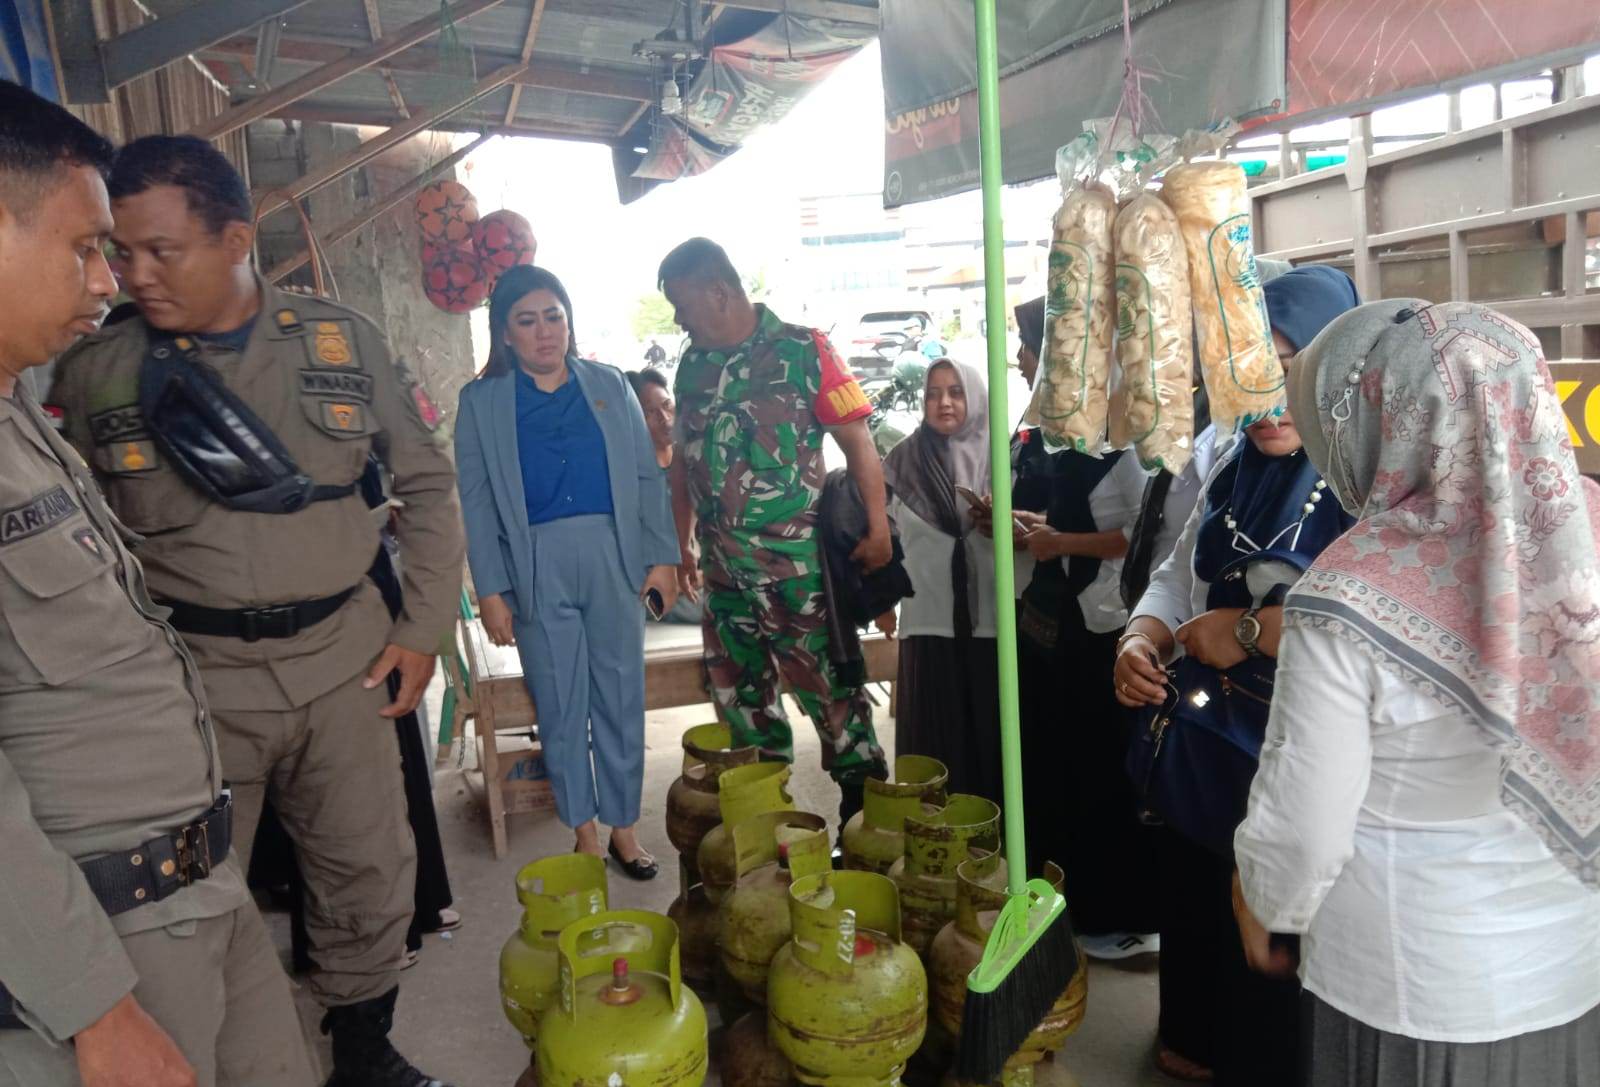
[33,517]
[345,417]
[331,346]
[136,456]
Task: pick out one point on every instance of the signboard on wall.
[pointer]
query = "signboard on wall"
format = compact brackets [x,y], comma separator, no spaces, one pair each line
[1578,386]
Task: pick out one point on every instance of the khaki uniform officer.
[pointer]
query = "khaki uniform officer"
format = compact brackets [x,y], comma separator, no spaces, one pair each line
[130,951]
[105,746]
[277,608]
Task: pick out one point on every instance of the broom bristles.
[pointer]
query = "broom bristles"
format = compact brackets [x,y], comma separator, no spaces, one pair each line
[995,1024]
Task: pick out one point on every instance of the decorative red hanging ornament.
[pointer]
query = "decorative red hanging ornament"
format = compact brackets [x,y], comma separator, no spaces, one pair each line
[503,239]
[446,212]
[454,279]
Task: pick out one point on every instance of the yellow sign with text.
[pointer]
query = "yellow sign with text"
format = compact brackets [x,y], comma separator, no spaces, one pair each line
[1578,386]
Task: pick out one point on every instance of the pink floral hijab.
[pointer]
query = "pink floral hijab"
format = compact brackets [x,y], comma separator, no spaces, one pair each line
[1472,571]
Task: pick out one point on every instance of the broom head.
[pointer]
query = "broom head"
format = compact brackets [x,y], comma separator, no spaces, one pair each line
[1029,959]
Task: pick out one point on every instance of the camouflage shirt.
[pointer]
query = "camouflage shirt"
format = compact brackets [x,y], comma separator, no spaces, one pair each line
[750,426]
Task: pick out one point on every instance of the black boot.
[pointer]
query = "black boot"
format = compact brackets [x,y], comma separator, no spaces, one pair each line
[852,795]
[362,1055]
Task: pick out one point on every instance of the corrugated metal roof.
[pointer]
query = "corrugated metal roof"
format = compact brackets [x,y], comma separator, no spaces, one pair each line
[585,79]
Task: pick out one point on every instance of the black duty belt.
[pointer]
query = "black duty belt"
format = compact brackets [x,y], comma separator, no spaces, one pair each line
[253,624]
[156,870]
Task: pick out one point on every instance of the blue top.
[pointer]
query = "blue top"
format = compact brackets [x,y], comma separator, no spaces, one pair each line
[562,452]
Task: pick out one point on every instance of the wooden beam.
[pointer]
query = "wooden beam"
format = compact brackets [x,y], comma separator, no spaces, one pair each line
[827,9]
[395,96]
[162,41]
[593,131]
[633,119]
[380,143]
[534,19]
[374,22]
[381,206]
[74,46]
[552,76]
[353,61]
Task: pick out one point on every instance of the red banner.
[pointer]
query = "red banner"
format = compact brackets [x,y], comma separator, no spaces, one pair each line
[1344,52]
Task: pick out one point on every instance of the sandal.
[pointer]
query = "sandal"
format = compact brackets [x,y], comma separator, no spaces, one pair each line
[1169,1062]
[642,867]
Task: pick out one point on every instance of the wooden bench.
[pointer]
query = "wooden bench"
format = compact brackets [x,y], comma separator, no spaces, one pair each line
[675,675]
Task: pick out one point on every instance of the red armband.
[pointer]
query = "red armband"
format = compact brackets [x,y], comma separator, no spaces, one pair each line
[839,399]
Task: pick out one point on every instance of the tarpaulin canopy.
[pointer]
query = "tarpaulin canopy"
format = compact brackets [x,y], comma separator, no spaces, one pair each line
[1062,65]
[747,84]
[1345,57]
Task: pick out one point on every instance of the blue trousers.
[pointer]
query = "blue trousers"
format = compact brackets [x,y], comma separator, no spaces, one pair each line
[583,660]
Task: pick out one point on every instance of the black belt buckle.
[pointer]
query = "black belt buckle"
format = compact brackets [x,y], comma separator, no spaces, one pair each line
[193,845]
[278,621]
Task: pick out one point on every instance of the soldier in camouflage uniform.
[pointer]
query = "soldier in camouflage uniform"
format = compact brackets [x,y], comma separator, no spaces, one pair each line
[755,396]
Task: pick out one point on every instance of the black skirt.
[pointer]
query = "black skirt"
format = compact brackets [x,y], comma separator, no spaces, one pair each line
[949,708]
[1082,809]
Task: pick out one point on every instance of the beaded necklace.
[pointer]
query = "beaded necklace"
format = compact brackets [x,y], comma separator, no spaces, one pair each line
[1307,510]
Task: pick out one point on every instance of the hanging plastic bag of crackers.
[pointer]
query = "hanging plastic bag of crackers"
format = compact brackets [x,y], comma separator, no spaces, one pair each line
[1070,398]
[1241,369]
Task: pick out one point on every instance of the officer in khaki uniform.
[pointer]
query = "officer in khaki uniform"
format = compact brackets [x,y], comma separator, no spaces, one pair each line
[130,951]
[276,607]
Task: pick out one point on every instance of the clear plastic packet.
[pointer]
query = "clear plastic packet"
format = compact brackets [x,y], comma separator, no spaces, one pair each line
[1152,407]
[1243,376]
[1070,398]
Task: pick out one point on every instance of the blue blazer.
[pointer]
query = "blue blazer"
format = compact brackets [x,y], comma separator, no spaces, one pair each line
[489,474]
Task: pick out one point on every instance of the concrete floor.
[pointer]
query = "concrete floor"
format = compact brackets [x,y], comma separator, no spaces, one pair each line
[449,1020]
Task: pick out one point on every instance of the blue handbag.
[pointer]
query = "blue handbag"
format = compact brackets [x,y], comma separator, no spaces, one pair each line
[1194,756]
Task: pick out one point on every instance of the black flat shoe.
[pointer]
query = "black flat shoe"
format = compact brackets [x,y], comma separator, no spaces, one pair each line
[642,867]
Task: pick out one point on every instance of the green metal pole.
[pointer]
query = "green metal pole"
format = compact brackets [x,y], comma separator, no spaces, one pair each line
[994,283]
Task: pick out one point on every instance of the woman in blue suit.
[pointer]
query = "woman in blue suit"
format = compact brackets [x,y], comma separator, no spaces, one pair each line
[569,529]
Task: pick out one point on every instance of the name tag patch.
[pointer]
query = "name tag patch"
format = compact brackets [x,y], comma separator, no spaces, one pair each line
[32,518]
[117,424]
[337,383]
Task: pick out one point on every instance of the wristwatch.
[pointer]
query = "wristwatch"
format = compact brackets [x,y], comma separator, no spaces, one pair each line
[1247,631]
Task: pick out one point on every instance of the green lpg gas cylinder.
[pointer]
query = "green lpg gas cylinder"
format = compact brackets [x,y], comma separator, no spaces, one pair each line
[554,892]
[935,846]
[981,891]
[847,1001]
[624,1018]
[742,792]
[692,805]
[747,1057]
[773,850]
[874,837]
[696,919]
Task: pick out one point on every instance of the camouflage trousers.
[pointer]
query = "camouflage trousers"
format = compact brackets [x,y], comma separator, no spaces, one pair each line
[756,637]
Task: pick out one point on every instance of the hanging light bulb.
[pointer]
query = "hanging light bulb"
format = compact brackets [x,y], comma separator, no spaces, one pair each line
[671,100]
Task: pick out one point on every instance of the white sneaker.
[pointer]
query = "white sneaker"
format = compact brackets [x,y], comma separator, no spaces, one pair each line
[1120,945]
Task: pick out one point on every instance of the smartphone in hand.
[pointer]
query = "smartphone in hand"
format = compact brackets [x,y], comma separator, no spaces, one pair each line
[653,604]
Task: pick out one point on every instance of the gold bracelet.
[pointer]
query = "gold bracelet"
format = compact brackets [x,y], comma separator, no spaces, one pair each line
[1122,641]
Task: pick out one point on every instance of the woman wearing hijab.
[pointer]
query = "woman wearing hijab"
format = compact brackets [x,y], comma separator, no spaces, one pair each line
[948,692]
[1427,811]
[1218,598]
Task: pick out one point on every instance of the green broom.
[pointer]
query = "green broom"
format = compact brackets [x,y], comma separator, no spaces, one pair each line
[1030,956]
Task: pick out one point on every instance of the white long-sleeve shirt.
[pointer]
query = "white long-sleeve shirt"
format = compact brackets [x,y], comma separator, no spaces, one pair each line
[928,550]
[1376,828]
